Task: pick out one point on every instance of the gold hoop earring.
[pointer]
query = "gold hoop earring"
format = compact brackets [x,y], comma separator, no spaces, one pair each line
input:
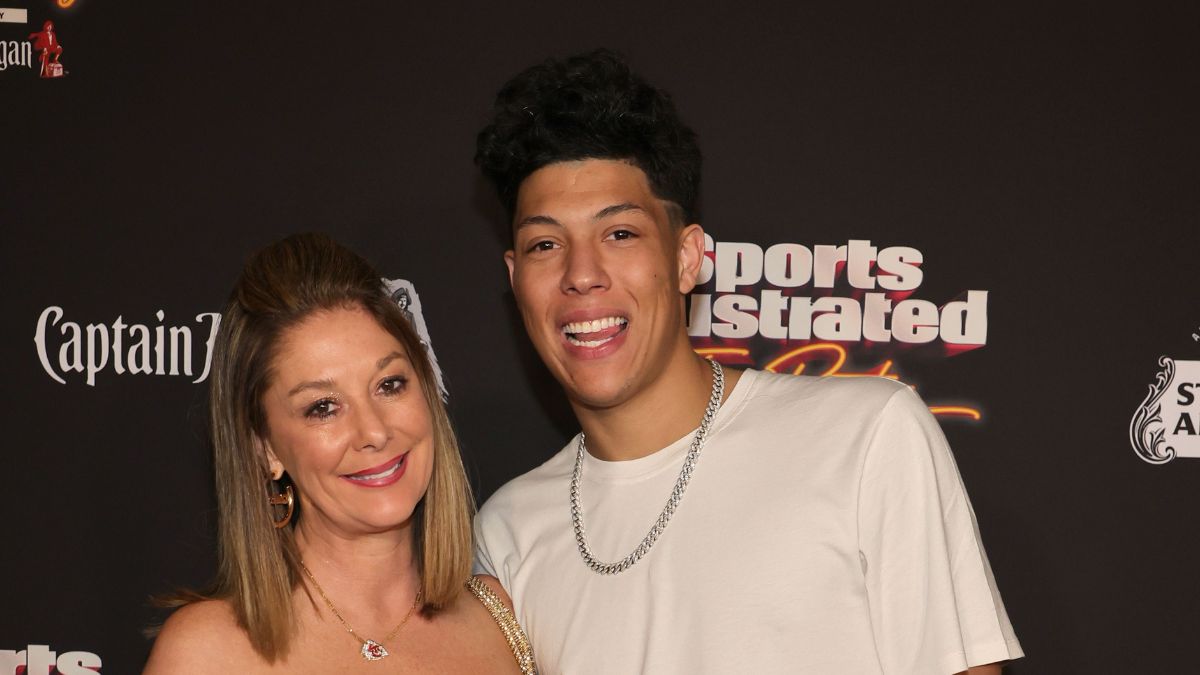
[286,498]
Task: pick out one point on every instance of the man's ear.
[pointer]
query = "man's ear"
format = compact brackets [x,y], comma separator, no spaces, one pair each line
[691,256]
[274,466]
[509,260]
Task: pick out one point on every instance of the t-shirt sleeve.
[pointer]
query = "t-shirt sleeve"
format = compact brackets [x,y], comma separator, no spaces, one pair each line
[934,604]
[483,557]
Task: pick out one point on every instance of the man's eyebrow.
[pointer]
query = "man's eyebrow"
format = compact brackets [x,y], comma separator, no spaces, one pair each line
[536,220]
[615,209]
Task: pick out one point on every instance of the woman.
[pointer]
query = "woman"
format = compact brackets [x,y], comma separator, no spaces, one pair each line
[345,514]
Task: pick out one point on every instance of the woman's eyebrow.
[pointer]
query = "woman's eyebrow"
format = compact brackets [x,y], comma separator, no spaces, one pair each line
[323,385]
[382,363]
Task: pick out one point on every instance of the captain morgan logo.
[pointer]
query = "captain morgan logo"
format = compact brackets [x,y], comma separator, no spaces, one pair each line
[14,53]
[68,349]
[40,50]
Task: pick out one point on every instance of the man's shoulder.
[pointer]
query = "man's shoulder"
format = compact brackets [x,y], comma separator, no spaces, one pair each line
[526,490]
[827,395]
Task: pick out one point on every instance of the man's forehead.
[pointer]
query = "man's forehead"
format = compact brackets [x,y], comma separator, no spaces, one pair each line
[585,188]
[537,218]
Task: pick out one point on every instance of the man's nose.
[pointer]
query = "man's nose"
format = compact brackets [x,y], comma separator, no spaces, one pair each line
[585,271]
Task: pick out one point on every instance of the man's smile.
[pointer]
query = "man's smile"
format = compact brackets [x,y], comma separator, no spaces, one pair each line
[595,332]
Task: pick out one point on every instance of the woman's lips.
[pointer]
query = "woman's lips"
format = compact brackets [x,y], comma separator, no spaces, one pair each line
[379,476]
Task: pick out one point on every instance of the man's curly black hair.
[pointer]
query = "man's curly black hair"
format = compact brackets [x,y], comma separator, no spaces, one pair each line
[589,106]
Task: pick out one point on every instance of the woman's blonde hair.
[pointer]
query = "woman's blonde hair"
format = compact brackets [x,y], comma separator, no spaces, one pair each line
[258,568]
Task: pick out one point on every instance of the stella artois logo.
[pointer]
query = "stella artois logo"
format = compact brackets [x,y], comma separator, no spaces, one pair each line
[1167,423]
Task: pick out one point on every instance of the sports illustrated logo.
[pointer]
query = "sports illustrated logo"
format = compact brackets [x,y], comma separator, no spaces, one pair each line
[789,306]
[877,279]
[405,295]
[138,349]
[39,660]
[1167,423]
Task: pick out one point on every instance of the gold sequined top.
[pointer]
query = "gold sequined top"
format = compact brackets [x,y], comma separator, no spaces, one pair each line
[517,642]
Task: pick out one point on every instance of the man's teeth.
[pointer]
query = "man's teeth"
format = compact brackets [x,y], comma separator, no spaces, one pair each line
[586,343]
[382,474]
[593,326]
[575,328]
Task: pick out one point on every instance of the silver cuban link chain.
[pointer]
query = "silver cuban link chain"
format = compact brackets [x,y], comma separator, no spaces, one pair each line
[685,475]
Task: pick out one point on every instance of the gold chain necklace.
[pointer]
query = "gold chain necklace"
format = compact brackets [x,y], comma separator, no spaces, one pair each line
[371,650]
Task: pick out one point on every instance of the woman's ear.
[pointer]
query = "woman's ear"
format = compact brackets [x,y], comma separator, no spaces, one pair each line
[274,466]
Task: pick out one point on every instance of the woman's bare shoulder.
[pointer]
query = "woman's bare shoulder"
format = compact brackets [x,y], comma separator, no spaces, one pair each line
[506,631]
[493,584]
[189,639]
[481,599]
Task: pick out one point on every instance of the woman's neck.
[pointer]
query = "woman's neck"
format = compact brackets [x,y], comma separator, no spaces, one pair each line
[374,576]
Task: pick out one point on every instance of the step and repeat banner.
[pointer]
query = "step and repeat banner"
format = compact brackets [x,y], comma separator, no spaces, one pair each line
[995,205]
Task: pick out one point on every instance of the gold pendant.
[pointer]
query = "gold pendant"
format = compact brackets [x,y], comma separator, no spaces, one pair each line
[373,651]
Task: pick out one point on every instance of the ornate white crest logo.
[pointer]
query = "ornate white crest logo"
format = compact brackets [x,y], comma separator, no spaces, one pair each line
[405,295]
[1167,423]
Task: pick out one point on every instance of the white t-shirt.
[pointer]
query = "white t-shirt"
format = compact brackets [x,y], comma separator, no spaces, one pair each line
[825,530]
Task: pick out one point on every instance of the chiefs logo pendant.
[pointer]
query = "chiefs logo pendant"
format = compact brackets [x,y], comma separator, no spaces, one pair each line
[373,651]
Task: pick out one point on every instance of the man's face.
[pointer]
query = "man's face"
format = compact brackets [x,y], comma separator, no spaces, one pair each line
[598,272]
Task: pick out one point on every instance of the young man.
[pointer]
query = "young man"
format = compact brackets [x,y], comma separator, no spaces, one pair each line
[706,520]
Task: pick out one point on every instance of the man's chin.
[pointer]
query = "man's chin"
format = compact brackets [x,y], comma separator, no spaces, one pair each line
[596,395]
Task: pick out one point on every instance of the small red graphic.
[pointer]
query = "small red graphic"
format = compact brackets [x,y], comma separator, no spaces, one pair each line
[47,44]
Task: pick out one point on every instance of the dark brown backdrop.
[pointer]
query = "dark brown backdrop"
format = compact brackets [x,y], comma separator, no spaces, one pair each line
[1046,155]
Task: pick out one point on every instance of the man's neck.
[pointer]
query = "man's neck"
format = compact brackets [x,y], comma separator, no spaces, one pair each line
[657,416]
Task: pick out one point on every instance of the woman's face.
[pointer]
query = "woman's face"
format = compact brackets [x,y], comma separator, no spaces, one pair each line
[346,419]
